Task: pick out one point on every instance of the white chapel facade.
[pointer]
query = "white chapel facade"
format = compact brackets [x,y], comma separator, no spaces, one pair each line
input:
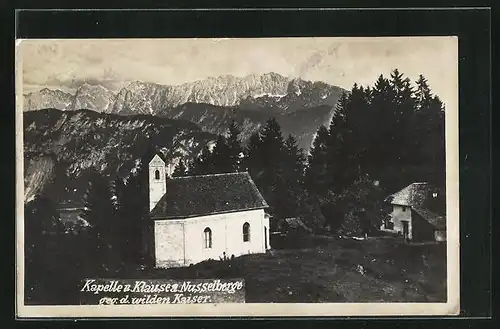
[196,218]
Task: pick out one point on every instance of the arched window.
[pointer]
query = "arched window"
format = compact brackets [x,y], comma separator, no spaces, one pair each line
[207,234]
[157,174]
[246,232]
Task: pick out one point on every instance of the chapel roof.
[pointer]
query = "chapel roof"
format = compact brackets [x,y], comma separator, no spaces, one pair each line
[193,196]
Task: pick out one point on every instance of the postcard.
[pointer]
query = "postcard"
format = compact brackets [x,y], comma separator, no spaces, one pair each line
[237,177]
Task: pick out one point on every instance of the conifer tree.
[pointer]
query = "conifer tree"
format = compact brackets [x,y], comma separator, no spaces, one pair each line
[429,134]
[234,147]
[221,161]
[203,164]
[316,178]
[423,95]
[337,151]
[272,142]
[380,128]
[294,161]
[99,213]
[180,170]
[290,186]
[356,132]
[134,212]
[271,150]
[117,189]
[252,162]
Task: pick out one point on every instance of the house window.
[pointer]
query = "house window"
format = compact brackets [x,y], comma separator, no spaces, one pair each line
[207,234]
[157,174]
[246,232]
[404,209]
[389,225]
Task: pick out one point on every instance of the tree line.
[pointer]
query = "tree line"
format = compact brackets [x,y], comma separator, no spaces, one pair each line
[109,245]
[380,139]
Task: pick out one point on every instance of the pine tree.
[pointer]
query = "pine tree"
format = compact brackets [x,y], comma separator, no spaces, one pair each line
[356,133]
[317,177]
[289,185]
[131,213]
[423,95]
[134,213]
[203,163]
[337,149]
[44,240]
[222,163]
[180,170]
[117,189]
[294,161]
[402,110]
[429,132]
[99,213]
[272,142]
[252,161]
[381,125]
[271,150]
[234,147]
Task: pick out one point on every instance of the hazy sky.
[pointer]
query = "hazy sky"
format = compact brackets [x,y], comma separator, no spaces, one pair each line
[65,64]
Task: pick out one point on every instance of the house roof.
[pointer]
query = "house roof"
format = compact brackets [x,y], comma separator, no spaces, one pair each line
[435,220]
[70,203]
[194,196]
[296,223]
[415,194]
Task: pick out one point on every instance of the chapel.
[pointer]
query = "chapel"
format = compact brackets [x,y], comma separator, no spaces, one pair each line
[195,218]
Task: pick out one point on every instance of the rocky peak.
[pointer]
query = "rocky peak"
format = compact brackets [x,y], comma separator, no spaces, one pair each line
[92,97]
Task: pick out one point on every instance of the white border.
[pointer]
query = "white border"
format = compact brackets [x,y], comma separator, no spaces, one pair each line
[451,307]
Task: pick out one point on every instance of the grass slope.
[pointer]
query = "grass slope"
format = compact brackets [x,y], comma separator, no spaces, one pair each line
[335,270]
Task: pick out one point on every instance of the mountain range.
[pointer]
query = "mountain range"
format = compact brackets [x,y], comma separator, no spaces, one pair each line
[68,134]
[211,103]
[271,90]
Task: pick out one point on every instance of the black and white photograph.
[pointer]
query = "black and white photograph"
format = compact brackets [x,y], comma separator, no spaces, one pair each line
[237,176]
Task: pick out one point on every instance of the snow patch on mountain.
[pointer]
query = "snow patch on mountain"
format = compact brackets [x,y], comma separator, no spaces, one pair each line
[278,96]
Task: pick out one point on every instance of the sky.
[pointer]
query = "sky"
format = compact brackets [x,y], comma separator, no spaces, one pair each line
[67,63]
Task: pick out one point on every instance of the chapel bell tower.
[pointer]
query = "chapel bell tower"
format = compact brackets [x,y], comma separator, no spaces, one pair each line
[157,180]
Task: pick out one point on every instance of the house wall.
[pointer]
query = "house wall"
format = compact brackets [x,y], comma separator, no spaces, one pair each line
[422,229]
[181,242]
[398,215]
